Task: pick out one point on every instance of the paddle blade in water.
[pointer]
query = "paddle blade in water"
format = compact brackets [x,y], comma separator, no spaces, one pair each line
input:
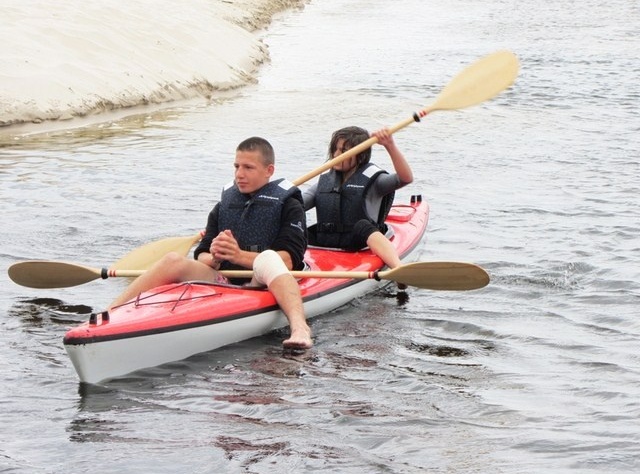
[48,274]
[448,276]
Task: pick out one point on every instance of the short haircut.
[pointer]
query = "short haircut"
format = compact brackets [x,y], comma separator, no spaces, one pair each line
[261,145]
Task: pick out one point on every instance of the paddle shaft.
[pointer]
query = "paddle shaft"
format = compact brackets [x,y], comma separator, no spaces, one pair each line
[447,276]
[105,273]
[357,149]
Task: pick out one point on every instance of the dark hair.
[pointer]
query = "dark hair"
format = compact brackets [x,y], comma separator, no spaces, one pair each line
[261,145]
[352,136]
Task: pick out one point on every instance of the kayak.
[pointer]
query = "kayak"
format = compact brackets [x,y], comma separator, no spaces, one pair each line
[173,322]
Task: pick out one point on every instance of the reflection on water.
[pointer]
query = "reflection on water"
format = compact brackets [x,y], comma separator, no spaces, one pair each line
[81,132]
[61,135]
[43,312]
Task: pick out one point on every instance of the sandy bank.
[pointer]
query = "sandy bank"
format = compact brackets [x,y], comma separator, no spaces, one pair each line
[75,58]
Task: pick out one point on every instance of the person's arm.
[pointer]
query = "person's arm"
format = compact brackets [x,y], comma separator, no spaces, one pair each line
[400,164]
[309,196]
[202,251]
[291,242]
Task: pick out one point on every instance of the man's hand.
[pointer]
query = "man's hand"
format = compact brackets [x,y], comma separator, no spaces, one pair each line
[225,247]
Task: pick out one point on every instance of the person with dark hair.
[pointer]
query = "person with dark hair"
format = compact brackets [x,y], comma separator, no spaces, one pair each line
[258,224]
[353,198]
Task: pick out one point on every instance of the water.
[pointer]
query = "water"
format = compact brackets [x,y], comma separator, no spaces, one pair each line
[537,372]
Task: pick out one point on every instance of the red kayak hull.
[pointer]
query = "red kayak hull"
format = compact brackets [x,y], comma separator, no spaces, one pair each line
[175,321]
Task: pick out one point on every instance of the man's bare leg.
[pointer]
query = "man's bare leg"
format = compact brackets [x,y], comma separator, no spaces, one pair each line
[172,268]
[286,291]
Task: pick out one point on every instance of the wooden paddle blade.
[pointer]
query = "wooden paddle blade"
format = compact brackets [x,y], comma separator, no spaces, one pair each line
[48,274]
[478,82]
[447,276]
[144,257]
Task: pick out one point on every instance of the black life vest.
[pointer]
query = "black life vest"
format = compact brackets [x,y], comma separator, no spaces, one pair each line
[339,206]
[254,220]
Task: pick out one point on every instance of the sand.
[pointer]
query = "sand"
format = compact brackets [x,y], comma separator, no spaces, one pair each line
[75,58]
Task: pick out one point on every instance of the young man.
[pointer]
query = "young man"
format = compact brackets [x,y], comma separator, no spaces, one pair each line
[258,224]
[353,198]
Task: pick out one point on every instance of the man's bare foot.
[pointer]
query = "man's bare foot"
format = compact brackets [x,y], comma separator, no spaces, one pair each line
[299,339]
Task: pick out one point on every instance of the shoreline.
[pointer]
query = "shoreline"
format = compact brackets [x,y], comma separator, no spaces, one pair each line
[74,66]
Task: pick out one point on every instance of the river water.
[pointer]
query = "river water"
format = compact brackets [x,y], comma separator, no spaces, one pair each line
[537,372]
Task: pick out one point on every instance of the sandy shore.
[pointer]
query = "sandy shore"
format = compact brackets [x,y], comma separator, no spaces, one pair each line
[75,58]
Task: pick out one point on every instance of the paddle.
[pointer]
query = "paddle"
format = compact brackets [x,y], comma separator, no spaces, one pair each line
[453,276]
[144,257]
[478,82]
[52,274]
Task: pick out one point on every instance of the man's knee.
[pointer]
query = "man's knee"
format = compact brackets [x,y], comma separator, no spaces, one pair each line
[268,266]
[170,260]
